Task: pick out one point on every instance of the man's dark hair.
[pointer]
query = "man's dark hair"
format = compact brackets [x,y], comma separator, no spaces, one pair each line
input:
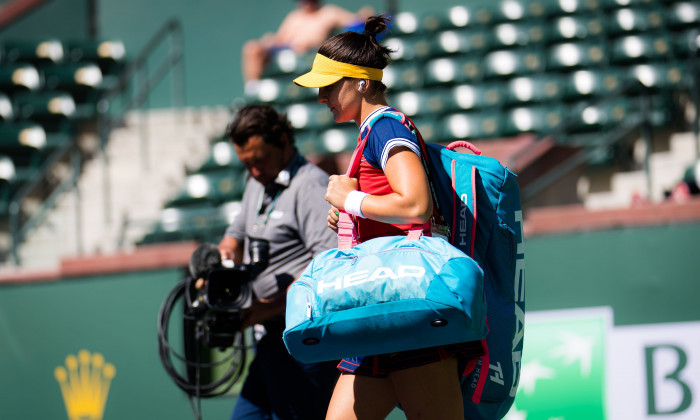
[260,120]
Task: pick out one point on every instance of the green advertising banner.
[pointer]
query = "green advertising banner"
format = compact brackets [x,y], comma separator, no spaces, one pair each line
[563,374]
[578,366]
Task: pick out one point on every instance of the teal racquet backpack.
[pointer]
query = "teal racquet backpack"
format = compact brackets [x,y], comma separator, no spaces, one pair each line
[478,200]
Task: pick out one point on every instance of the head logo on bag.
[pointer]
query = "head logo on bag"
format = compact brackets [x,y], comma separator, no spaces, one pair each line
[360,277]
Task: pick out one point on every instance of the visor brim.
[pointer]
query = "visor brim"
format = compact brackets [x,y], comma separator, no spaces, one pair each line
[316,80]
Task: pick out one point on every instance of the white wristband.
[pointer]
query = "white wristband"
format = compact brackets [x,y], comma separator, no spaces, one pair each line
[353,203]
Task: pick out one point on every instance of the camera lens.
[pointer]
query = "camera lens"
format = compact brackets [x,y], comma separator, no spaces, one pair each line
[228,288]
[259,250]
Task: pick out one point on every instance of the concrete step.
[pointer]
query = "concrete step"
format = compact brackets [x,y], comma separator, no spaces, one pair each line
[136,188]
[666,170]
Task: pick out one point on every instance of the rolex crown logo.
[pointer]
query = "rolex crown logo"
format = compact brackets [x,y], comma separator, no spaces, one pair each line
[84,382]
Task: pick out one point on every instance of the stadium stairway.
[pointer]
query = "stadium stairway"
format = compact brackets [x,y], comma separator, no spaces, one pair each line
[667,164]
[147,163]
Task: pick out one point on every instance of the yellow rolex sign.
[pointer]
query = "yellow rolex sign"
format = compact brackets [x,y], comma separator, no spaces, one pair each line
[84,382]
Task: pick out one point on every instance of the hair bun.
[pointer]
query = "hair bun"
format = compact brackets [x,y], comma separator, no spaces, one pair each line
[375,25]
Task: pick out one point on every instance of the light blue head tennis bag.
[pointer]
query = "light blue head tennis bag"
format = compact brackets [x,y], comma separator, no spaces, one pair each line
[479,200]
[384,295]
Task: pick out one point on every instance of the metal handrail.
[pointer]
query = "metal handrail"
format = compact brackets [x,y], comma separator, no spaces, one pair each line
[641,120]
[173,62]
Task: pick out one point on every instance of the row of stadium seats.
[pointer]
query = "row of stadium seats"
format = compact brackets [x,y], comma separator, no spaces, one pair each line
[207,202]
[624,55]
[107,54]
[485,123]
[555,89]
[481,14]
[478,71]
[47,88]
[198,222]
[452,78]
[438,72]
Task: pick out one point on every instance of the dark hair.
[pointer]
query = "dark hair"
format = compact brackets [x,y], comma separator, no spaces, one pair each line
[259,120]
[361,49]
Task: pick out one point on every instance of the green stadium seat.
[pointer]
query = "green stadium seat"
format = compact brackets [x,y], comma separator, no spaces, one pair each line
[659,76]
[634,20]
[42,51]
[72,76]
[537,119]
[109,55]
[474,96]
[7,169]
[429,127]
[456,41]
[418,102]
[193,222]
[403,75]
[45,106]
[592,83]
[222,156]
[308,143]
[17,77]
[616,4]
[575,28]
[574,55]
[519,34]
[686,43]
[342,138]
[213,188]
[571,7]
[511,63]
[270,90]
[309,115]
[443,71]
[641,48]
[225,213]
[683,14]
[408,47]
[18,135]
[460,16]
[453,70]
[23,141]
[601,115]
[470,125]
[83,81]
[6,108]
[283,62]
[536,88]
[295,93]
[515,10]
[406,23]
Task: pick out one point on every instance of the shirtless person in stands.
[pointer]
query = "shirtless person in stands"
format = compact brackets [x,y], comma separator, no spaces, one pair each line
[302,30]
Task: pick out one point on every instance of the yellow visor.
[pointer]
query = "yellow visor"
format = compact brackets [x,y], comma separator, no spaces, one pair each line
[325,72]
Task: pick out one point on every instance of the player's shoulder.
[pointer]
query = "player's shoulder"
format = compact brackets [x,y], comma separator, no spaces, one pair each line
[391,128]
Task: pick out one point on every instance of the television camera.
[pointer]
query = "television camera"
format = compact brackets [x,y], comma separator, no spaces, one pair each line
[214,295]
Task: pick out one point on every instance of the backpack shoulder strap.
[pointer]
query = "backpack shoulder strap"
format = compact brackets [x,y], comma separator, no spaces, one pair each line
[362,141]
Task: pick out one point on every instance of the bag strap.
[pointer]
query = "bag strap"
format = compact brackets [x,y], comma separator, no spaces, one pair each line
[347,230]
[463,143]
